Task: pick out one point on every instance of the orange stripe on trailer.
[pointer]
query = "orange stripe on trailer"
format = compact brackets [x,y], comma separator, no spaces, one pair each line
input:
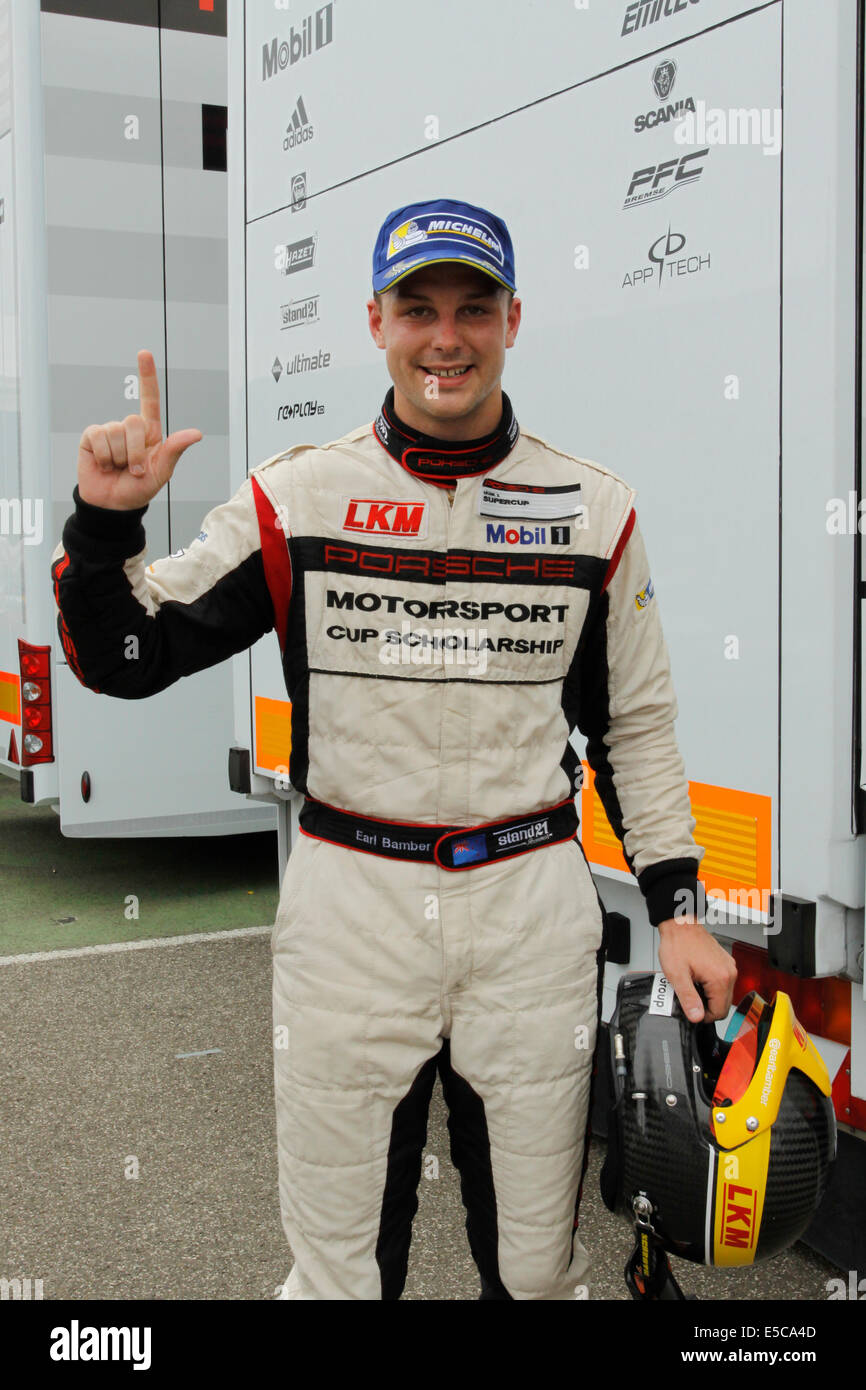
[734,827]
[273,731]
[10,697]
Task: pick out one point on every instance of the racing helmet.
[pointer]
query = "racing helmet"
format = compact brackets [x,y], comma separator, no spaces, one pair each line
[722,1147]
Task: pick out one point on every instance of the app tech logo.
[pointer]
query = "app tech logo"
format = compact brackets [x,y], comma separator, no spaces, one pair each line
[663,81]
[667,262]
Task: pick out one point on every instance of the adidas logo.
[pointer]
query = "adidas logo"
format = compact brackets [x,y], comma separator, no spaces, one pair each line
[299,130]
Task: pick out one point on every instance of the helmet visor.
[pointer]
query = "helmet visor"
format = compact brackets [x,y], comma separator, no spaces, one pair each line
[744,1039]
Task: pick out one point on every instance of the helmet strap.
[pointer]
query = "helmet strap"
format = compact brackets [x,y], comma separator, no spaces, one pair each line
[648,1274]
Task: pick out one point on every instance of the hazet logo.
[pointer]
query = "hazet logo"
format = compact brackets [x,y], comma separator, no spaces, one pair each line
[388,518]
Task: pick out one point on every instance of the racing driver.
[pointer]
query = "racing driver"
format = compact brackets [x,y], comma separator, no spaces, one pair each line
[452,596]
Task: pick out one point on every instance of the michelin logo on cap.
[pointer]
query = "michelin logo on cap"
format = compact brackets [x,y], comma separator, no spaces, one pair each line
[404,236]
[442,230]
[410,233]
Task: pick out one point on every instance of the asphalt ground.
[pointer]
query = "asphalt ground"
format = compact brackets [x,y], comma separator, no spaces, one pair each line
[57,892]
[97,1089]
[137,1134]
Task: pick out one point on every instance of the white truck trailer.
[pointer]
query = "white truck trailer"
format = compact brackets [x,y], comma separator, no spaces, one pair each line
[683,180]
[113,205]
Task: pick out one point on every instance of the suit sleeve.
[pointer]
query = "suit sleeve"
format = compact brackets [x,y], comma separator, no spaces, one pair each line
[130,629]
[627,710]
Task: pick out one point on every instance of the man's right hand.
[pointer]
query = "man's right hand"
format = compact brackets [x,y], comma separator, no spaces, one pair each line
[123,464]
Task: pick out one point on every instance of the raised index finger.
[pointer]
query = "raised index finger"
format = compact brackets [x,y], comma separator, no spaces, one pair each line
[148,386]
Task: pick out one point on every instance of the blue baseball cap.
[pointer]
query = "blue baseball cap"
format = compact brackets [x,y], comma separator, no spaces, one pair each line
[442,230]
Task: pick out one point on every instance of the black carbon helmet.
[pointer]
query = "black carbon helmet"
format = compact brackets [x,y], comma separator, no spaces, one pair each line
[724,1145]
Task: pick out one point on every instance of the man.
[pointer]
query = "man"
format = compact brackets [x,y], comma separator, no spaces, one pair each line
[438,913]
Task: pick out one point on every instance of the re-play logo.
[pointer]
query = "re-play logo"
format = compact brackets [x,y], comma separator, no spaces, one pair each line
[372,514]
[527,535]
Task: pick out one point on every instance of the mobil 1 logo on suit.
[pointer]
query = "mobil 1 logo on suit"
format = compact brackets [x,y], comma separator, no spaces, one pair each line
[527,535]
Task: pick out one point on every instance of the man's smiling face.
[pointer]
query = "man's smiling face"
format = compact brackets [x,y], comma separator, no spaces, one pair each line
[453,323]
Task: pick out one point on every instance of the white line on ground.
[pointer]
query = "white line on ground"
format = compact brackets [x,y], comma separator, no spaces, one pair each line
[189,939]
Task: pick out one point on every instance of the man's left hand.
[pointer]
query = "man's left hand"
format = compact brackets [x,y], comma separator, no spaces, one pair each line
[689,956]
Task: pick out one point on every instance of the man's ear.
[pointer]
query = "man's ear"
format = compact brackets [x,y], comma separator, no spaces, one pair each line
[375,317]
[513,321]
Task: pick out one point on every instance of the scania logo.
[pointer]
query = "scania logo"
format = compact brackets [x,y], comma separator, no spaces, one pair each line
[664,77]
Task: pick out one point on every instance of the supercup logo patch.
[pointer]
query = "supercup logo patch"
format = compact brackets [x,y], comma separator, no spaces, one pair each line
[497,498]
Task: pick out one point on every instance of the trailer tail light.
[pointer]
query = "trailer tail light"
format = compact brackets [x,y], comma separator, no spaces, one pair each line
[37,738]
[822,1006]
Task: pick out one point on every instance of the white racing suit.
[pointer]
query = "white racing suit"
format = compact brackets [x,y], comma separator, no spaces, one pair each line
[446,614]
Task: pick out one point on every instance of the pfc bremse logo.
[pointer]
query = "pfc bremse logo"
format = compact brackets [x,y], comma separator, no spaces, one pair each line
[658,180]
